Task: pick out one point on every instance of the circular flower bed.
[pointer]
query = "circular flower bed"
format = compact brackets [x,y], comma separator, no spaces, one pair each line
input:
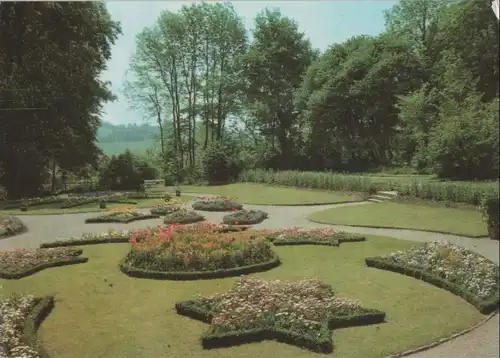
[217,203]
[11,225]
[244,217]
[183,252]
[183,216]
[164,209]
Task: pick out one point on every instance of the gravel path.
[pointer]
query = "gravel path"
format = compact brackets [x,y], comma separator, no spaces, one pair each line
[480,343]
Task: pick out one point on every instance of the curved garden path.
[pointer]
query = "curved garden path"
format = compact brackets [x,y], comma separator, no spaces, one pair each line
[482,342]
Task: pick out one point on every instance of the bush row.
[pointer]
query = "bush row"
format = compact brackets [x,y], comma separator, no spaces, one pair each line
[463,192]
[40,311]
[114,218]
[484,306]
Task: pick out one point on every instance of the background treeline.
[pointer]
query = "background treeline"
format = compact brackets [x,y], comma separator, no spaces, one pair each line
[422,95]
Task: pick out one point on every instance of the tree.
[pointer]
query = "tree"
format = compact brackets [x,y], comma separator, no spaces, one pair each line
[273,67]
[50,91]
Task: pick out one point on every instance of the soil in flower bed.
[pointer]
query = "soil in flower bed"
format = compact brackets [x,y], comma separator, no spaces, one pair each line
[218,203]
[245,217]
[120,217]
[10,225]
[193,250]
[302,313]
[303,236]
[19,320]
[164,209]
[449,266]
[19,263]
[183,216]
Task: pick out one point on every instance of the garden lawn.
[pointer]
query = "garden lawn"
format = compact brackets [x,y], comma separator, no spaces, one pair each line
[101,312]
[458,221]
[259,194]
[54,208]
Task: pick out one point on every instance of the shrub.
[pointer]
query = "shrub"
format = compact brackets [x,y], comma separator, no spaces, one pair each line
[164,209]
[301,313]
[182,216]
[19,263]
[111,236]
[216,163]
[11,225]
[245,217]
[303,236]
[449,266]
[217,203]
[120,215]
[199,248]
[491,214]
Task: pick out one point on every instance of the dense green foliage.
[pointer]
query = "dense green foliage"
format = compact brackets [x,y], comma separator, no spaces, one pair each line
[421,95]
[49,113]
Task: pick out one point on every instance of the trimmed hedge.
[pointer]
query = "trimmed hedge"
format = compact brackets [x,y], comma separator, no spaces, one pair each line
[164,209]
[244,217]
[322,344]
[113,219]
[95,241]
[333,242]
[198,275]
[216,205]
[484,306]
[37,315]
[43,266]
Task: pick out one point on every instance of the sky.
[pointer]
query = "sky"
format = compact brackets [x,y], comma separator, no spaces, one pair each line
[323,22]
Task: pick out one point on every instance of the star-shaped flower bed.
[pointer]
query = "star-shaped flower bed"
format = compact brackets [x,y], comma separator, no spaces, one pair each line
[301,313]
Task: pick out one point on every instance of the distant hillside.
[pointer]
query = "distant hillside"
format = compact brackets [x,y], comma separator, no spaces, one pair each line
[115,139]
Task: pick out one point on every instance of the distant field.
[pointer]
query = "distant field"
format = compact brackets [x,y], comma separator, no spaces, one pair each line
[113,148]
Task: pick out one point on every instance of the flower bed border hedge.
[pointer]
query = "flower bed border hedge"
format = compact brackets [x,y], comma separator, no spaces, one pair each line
[198,275]
[484,306]
[45,265]
[39,312]
[335,242]
[192,310]
[100,219]
[243,222]
[208,206]
[83,242]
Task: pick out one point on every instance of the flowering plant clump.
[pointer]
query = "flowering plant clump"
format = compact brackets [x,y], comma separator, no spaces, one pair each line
[123,214]
[214,198]
[112,235]
[245,217]
[10,225]
[13,313]
[15,262]
[200,248]
[296,235]
[306,309]
[164,209]
[216,203]
[460,266]
[183,216]
[217,227]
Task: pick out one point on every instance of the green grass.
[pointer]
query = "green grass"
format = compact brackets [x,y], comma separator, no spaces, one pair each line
[54,208]
[136,317]
[259,194]
[459,221]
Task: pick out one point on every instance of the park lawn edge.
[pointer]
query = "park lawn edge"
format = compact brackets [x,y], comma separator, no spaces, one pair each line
[39,312]
[485,306]
[398,228]
[198,275]
[211,340]
[98,220]
[45,265]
